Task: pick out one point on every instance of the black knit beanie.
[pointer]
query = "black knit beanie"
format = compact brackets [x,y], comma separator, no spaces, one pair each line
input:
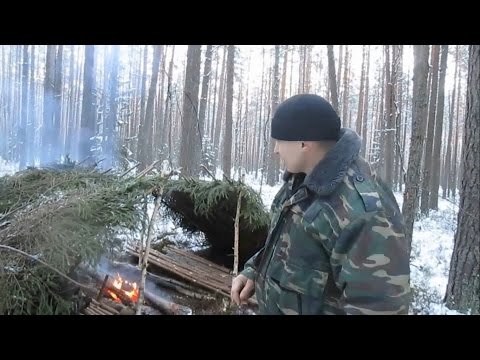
[305,117]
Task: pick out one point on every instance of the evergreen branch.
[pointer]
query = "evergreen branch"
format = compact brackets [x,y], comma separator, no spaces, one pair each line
[6,247]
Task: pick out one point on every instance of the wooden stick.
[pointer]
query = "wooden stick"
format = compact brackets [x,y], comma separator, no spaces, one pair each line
[145,255]
[126,172]
[145,209]
[81,162]
[102,288]
[208,172]
[147,170]
[235,246]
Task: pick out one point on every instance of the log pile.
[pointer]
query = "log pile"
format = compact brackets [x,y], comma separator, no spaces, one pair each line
[99,308]
[190,267]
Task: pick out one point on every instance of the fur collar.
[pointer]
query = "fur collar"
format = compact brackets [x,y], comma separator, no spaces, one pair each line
[329,172]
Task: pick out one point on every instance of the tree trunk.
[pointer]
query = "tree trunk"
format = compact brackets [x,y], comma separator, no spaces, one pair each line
[145,147]
[227,141]
[220,108]
[301,69]
[332,79]
[365,107]
[453,173]
[167,116]
[272,175]
[141,114]
[308,70]
[380,128]
[358,123]
[438,131]
[284,73]
[389,149]
[190,145]
[463,288]
[346,85]
[78,101]
[31,110]
[420,97]
[48,107]
[448,160]
[111,118]
[259,131]
[427,169]
[22,126]
[339,77]
[87,129]
[59,149]
[204,96]
[399,118]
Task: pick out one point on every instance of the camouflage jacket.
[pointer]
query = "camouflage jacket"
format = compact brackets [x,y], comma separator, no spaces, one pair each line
[336,243]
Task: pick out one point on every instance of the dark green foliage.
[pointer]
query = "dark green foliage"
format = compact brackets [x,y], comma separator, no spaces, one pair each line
[210,207]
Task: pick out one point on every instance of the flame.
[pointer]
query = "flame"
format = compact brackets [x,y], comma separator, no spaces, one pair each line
[126,287]
[114,296]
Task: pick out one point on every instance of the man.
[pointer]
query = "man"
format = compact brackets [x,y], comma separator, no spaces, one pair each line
[336,243]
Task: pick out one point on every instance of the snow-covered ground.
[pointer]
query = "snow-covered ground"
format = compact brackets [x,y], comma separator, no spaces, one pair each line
[7,168]
[432,245]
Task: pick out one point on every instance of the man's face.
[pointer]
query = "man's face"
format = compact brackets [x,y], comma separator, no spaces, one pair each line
[291,154]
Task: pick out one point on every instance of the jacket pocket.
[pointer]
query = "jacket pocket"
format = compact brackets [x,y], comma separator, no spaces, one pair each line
[300,288]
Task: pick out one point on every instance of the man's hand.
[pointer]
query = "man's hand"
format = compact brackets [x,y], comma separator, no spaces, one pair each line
[242,289]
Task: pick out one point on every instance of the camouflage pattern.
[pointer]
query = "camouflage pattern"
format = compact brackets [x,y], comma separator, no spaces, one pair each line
[336,244]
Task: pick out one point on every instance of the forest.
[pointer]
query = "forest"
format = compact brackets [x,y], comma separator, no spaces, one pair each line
[205,111]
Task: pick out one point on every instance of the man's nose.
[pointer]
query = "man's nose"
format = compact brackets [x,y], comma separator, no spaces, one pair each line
[275,149]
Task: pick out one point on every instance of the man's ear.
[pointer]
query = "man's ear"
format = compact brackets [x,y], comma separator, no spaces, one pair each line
[307,145]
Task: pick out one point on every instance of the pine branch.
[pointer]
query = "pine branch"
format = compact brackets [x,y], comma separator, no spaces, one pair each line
[6,247]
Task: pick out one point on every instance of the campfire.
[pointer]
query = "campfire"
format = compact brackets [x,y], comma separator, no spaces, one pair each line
[121,290]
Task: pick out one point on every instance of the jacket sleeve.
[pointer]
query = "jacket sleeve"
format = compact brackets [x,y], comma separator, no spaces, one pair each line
[370,265]
[250,268]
